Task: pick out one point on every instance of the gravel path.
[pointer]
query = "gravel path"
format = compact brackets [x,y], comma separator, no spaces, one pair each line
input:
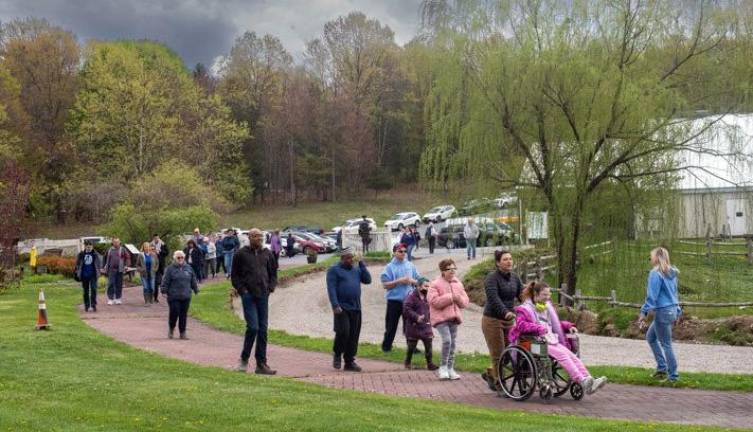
[302,308]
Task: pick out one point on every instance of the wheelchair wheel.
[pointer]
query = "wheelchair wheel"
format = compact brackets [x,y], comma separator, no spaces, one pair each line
[517,373]
[560,379]
[576,391]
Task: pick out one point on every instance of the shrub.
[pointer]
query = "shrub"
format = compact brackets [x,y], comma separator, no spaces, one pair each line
[58,265]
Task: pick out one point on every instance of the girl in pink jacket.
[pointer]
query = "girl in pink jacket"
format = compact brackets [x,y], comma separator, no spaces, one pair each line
[447,298]
[538,317]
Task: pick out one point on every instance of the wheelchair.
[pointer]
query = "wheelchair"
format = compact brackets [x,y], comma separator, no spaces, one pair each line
[526,366]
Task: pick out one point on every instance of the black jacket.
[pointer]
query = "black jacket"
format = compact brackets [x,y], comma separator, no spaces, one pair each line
[501,291]
[178,282]
[197,258]
[254,271]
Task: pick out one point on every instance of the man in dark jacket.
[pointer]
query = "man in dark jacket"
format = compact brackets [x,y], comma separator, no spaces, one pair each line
[88,267]
[364,230]
[254,277]
[431,236]
[178,282]
[344,290]
[162,253]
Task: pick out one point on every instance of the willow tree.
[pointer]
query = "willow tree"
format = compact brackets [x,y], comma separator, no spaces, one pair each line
[566,98]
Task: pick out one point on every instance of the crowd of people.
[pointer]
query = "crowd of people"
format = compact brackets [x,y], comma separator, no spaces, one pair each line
[511,311]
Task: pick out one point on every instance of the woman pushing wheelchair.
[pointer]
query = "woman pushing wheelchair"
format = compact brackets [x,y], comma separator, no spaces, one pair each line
[537,317]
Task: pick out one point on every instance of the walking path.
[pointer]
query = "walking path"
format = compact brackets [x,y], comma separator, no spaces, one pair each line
[146,328]
[302,308]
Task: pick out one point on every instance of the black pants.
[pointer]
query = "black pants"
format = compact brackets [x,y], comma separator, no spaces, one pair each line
[220,263]
[391,319]
[157,284]
[432,242]
[179,313]
[365,244]
[90,292]
[412,344]
[347,332]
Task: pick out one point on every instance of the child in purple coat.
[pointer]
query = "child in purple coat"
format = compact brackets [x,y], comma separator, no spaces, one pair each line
[417,323]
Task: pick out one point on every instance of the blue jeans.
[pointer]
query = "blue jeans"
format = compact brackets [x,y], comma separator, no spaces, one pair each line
[114,285]
[148,283]
[410,252]
[470,246]
[659,338]
[256,314]
[228,262]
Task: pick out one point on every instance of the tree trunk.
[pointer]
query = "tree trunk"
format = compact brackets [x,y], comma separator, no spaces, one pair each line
[291,159]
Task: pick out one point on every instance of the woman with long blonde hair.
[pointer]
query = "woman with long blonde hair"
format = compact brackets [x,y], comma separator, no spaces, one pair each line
[662,298]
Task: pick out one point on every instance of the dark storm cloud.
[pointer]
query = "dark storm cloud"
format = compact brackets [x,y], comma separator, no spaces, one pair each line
[202,30]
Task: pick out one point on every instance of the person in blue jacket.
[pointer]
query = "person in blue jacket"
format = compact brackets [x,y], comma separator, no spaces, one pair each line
[398,280]
[662,298]
[344,281]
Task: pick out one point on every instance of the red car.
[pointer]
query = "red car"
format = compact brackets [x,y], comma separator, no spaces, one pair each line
[307,244]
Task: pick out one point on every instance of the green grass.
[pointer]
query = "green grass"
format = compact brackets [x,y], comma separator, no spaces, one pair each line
[212,308]
[75,379]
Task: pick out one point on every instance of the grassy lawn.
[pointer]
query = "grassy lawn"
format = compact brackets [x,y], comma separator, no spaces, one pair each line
[74,379]
[212,308]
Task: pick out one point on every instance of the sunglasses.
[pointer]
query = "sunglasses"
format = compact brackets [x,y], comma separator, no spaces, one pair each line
[452,269]
[180,258]
[400,251]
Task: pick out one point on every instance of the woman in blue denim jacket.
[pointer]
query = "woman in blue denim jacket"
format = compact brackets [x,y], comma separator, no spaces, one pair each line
[662,298]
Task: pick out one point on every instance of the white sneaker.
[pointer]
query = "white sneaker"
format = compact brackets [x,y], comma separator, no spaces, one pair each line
[587,384]
[597,384]
[453,375]
[109,302]
[118,301]
[444,373]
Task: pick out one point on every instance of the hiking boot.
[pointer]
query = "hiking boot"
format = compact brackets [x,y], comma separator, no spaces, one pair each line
[431,366]
[489,381]
[407,365]
[170,333]
[659,375]
[183,336]
[242,366]
[597,384]
[94,308]
[337,362]
[264,369]
[352,367]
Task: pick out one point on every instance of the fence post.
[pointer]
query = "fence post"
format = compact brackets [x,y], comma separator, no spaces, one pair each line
[708,247]
[539,273]
[578,303]
[563,288]
[523,268]
[750,250]
[614,299]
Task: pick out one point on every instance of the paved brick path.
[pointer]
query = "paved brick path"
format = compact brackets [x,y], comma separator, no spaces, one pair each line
[146,328]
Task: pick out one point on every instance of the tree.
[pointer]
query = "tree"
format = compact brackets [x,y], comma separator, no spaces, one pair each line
[569,97]
[44,61]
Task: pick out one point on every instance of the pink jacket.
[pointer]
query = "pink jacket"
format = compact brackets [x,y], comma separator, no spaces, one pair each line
[446,299]
[526,324]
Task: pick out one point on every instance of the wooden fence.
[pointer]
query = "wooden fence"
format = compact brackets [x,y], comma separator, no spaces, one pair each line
[547,264]
[709,251]
[578,299]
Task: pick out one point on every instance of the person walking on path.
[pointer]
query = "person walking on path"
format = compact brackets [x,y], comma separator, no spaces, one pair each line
[502,288]
[194,257]
[662,298]
[364,231]
[230,245]
[417,319]
[471,233]
[409,239]
[88,266]
[162,253]
[431,236]
[447,298]
[536,316]
[116,262]
[398,279]
[146,264]
[203,248]
[275,243]
[344,290]
[177,284]
[210,263]
[254,277]
[290,245]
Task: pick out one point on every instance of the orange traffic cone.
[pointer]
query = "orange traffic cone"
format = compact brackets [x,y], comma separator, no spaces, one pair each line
[42,323]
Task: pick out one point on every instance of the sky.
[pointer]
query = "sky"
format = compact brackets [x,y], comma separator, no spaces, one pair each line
[202,31]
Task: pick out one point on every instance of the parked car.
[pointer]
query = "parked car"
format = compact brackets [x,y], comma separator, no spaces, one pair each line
[306,244]
[402,220]
[351,226]
[438,214]
[476,206]
[329,245]
[505,200]
[315,229]
[491,233]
